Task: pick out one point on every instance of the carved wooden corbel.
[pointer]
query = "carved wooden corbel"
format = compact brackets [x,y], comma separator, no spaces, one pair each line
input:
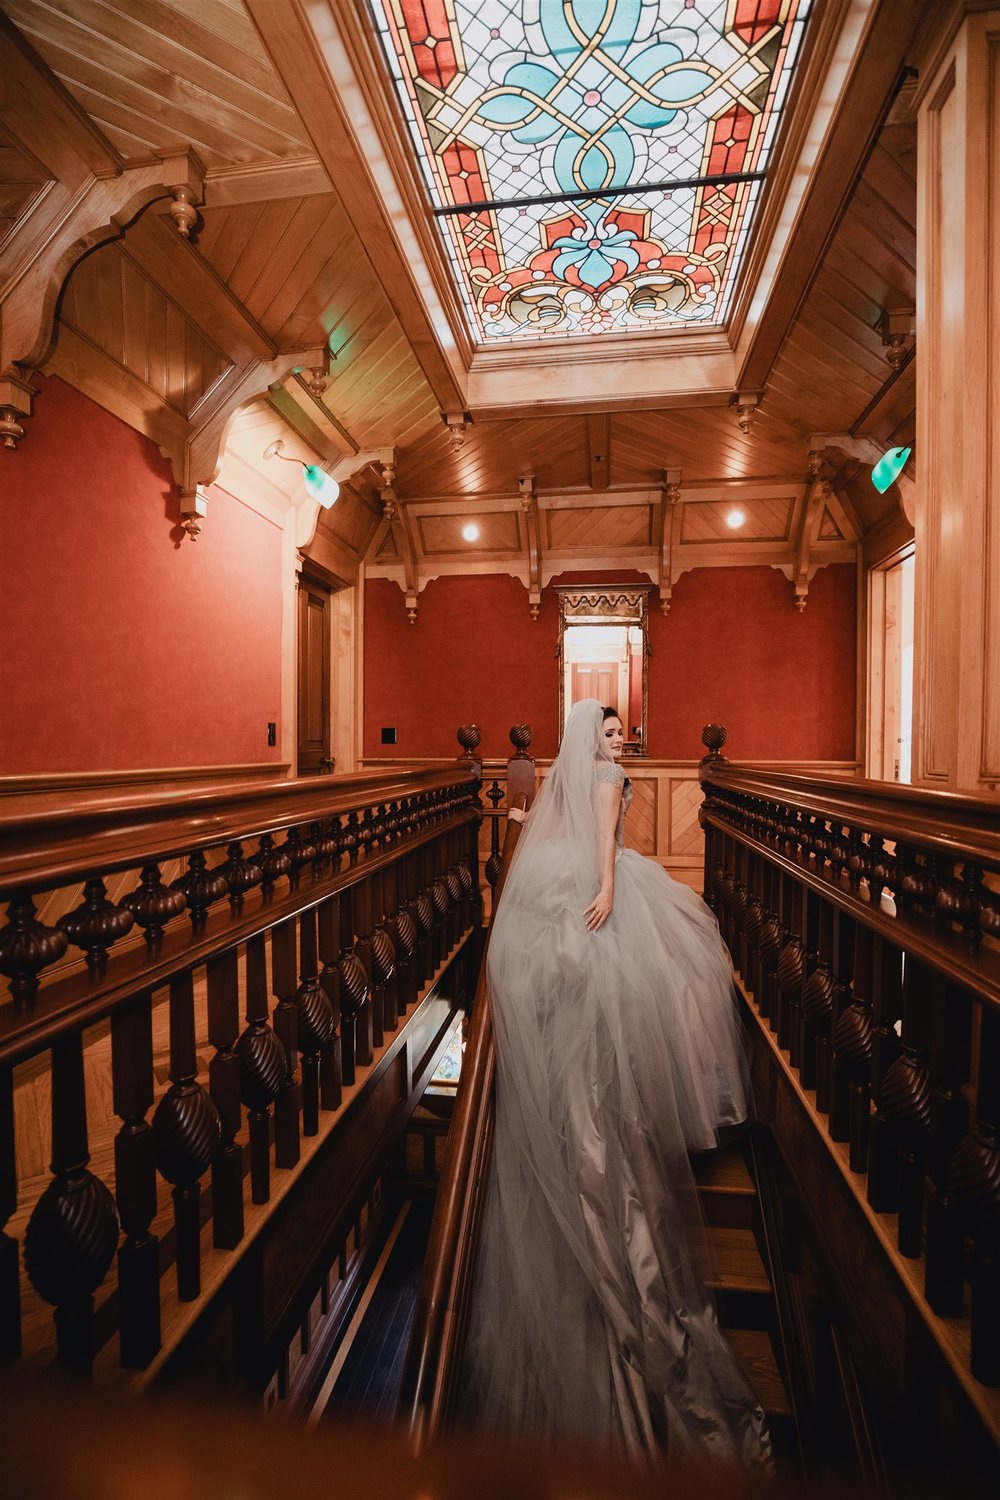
[669,500]
[194,509]
[529,507]
[458,424]
[746,404]
[813,504]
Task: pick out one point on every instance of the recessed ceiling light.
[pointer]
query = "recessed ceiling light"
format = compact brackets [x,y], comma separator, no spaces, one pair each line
[735,519]
[470,531]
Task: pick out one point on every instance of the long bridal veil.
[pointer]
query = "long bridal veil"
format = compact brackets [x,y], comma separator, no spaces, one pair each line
[618,1052]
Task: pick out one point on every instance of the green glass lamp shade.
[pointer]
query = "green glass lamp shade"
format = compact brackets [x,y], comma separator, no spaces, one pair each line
[889,468]
[320,485]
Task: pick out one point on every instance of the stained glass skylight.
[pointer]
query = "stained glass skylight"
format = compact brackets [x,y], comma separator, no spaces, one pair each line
[594,165]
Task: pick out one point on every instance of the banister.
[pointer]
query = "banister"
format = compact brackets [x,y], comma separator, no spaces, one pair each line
[44,843]
[448,1266]
[863,921]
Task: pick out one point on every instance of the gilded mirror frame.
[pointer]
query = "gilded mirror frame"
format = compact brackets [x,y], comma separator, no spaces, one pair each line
[605,604]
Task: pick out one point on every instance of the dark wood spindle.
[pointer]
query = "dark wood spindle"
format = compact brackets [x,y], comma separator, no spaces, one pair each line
[224,1085]
[263,1067]
[153,905]
[975,1182]
[887,993]
[817,996]
[72,1234]
[26,947]
[951,1028]
[905,1099]
[791,968]
[187,1133]
[852,1051]
[284,985]
[353,988]
[384,946]
[135,1183]
[315,1023]
[95,924]
[330,1072]
[368,1026]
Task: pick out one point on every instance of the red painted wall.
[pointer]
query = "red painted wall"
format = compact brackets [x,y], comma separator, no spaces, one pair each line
[733,649]
[122,643]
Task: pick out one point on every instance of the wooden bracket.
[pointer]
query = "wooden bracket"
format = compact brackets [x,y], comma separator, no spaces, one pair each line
[458,424]
[529,508]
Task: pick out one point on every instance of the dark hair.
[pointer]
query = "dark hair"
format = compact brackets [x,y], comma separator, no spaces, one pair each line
[610,713]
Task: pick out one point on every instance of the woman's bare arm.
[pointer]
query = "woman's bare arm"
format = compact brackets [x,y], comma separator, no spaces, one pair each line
[608,802]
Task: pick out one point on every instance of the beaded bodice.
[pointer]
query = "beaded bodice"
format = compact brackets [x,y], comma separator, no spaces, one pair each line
[610,771]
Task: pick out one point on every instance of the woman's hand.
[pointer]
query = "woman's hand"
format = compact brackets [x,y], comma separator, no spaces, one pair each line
[599,910]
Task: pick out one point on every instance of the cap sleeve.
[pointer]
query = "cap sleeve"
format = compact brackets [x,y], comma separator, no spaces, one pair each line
[607,770]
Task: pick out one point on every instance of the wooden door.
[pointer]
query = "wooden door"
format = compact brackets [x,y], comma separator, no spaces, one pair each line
[314,678]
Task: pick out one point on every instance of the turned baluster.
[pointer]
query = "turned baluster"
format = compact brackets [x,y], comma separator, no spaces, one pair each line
[951,1033]
[135,1183]
[272,863]
[887,990]
[493,862]
[26,947]
[769,944]
[740,911]
[817,1004]
[438,892]
[368,1035]
[201,887]
[796,1020]
[852,1050]
[10,1277]
[72,1234]
[423,911]
[263,1068]
[753,921]
[840,999]
[381,959]
[187,1134]
[95,924]
[330,1075]
[224,1086]
[351,838]
[285,1022]
[315,1024]
[354,1009]
[905,1100]
[300,852]
[791,967]
[153,905]
[385,908]
[403,931]
[325,845]
[240,874]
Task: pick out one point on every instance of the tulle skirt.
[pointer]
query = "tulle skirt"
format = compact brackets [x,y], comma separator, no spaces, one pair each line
[618,1053]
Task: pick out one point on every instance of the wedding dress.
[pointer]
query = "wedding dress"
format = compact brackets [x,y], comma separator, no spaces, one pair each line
[618,1052]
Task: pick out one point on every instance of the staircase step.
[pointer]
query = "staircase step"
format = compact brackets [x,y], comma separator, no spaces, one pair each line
[723,1171]
[737,1262]
[755,1352]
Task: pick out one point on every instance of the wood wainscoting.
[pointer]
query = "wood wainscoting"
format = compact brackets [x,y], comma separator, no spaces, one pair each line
[663,819]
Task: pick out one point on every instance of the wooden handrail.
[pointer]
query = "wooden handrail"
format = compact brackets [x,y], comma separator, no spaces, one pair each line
[48,842]
[445,1280]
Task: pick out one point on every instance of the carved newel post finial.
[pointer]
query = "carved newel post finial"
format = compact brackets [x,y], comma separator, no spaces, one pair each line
[521,736]
[468,736]
[713,737]
[521,766]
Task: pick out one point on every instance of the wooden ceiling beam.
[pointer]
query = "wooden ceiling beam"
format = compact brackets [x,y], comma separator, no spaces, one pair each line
[879,43]
[302,67]
[599,450]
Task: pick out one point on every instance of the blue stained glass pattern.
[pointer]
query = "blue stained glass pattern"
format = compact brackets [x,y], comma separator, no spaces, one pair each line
[537,120]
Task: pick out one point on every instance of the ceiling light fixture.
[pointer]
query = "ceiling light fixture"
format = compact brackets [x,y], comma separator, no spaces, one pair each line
[470,531]
[889,467]
[735,519]
[319,484]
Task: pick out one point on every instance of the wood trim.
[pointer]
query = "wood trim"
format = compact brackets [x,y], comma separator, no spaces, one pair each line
[84,781]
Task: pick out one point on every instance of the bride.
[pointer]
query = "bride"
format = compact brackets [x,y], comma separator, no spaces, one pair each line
[618,1053]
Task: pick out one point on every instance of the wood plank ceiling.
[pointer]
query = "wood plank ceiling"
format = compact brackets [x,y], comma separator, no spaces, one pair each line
[165,332]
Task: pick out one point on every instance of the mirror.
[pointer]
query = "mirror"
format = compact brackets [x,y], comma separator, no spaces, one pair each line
[603,650]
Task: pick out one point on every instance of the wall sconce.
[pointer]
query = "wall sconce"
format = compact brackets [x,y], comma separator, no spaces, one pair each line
[889,467]
[319,484]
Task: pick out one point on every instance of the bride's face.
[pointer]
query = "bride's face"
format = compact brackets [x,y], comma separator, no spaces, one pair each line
[614,736]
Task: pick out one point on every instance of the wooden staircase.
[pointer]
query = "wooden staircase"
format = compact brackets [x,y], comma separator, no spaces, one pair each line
[743,1290]
[745,1297]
